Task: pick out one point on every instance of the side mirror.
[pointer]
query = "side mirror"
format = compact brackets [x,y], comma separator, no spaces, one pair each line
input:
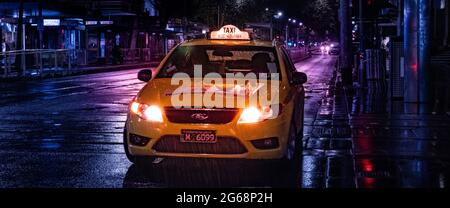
[145,75]
[299,78]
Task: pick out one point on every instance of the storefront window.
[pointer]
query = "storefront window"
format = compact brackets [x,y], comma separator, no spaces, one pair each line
[8,36]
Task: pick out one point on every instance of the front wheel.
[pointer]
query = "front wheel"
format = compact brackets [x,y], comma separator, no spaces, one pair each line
[293,157]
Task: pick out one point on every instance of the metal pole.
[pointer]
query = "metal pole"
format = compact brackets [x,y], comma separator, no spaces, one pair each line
[19,40]
[424,71]
[40,27]
[86,46]
[218,16]
[40,63]
[8,64]
[56,59]
[361,69]
[271,28]
[446,21]
[41,36]
[410,51]
[361,26]
[345,55]
[399,18]
[23,59]
[69,53]
[287,34]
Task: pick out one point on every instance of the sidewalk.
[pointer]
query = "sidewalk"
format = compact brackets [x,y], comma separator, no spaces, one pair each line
[60,72]
[358,140]
[393,148]
[328,154]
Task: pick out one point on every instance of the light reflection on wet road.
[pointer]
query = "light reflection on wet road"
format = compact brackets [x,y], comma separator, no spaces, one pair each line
[67,132]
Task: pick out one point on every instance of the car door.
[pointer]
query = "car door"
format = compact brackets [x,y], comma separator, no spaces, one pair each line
[299,98]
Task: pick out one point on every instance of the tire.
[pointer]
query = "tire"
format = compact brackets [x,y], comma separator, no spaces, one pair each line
[293,158]
[293,152]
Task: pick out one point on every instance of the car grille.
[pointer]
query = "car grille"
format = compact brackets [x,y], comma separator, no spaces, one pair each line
[201,116]
[224,145]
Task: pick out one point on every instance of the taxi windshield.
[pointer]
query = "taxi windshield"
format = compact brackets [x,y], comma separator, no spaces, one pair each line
[221,60]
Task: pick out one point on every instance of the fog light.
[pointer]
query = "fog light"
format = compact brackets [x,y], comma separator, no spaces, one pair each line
[138,140]
[264,144]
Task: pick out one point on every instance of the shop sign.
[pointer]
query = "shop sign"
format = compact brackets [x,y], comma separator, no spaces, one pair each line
[52,22]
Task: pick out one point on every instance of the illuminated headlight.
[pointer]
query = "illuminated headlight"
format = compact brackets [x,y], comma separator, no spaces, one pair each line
[255,115]
[328,48]
[322,48]
[148,112]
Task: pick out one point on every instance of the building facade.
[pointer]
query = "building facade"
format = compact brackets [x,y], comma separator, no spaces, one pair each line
[95,27]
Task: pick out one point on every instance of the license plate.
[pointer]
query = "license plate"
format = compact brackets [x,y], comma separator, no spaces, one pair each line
[198,136]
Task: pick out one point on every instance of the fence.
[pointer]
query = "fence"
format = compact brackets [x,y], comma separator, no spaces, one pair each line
[136,55]
[47,61]
[33,62]
[67,61]
[128,55]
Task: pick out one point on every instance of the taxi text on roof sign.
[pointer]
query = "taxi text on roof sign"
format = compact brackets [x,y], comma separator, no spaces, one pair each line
[229,32]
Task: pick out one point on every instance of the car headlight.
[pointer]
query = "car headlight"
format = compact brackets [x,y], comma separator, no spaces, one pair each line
[327,48]
[255,115]
[148,112]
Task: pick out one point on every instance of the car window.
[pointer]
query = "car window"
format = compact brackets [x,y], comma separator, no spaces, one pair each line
[221,60]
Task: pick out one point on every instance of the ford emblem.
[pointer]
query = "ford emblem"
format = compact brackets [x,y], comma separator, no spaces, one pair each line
[199,116]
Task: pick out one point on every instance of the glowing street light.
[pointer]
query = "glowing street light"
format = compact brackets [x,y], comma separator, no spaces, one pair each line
[280,14]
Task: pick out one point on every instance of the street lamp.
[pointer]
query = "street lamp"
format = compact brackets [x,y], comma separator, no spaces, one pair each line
[276,15]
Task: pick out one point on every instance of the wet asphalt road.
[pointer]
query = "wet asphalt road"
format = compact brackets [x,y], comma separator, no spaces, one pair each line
[67,132]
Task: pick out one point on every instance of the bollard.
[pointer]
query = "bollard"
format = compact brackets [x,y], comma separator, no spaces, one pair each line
[368,64]
[70,57]
[40,63]
[23,63]
[85,57]
[56,60]
[8,68]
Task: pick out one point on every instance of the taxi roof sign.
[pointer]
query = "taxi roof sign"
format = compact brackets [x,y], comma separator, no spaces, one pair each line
[229,32]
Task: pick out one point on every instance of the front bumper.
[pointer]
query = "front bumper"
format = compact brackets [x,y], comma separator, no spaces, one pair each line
[238,136]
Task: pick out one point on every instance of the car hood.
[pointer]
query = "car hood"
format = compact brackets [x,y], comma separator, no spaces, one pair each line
[161,92]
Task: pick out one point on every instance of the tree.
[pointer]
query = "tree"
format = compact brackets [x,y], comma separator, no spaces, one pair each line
[237,12]
[211,12]
[323,13]
[172,9]
[254,11]
[217,12]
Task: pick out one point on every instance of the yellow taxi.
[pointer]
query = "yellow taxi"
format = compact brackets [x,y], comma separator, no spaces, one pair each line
[225,96]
